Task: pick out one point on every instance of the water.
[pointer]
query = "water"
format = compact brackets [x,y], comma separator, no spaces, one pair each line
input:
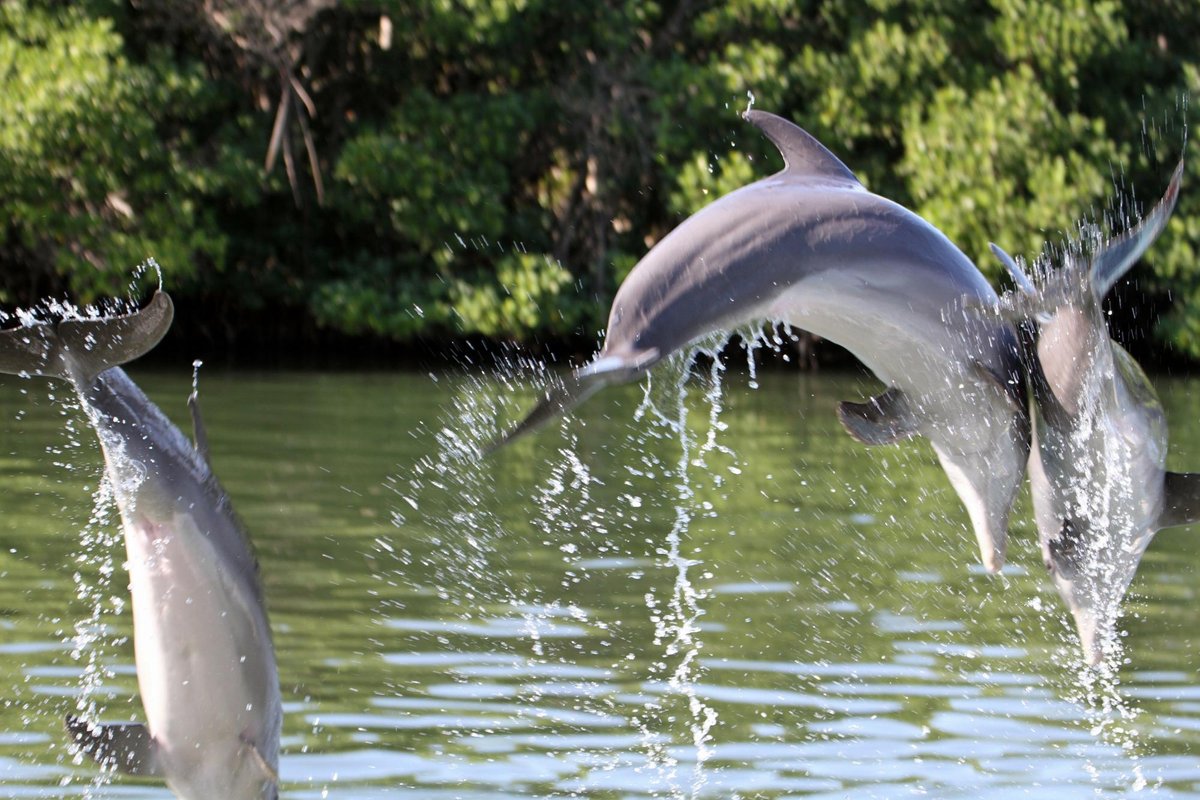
[520,628]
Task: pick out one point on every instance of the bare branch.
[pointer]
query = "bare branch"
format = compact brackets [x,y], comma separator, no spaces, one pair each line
[277,132]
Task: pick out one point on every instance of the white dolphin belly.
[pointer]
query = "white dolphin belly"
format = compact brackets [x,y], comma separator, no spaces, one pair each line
[200,663]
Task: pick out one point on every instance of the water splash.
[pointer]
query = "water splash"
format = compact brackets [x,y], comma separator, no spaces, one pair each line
[449,496]
[676,620]
[98,540]
[95,563]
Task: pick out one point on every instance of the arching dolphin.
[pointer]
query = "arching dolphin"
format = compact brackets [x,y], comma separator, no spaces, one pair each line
[1097,469]
[810,246]
[202,644]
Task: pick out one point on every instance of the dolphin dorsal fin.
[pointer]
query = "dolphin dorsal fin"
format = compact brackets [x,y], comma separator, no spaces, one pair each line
[1181,499]
[885,419]
[199,432]
[1115,259]
[803,155]
[126,746]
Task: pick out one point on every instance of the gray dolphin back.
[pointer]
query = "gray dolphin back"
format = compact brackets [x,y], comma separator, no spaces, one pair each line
[80,349]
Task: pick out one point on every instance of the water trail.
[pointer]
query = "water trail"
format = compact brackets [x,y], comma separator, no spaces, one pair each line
[94,561]
[677,621]
[1103,494]
[95,565]
[97,542]
[450,496]
[1108,713]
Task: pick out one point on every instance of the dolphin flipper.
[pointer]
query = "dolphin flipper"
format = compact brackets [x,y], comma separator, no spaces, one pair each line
[269,774]
[127,747]
[1181,499]
[885,419]
[80,349]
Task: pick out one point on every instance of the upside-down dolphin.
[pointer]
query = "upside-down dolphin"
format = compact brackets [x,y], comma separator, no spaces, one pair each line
[202,644]
[1097,468]
[811,247]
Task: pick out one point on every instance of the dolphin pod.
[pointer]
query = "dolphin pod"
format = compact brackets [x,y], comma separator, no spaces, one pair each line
[811,247]
[1097,468]
[202,645]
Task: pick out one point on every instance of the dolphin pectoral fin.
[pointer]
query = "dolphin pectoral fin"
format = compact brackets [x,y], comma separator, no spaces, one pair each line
[270,777]
[127,747]
[199,432]
[1181,499]
[268,772]
[1011,387]
[885,419]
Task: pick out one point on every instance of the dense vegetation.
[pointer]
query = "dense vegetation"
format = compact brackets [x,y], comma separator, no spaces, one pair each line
[415,168]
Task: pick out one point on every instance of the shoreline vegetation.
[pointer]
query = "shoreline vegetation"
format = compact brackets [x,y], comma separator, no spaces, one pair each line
[415,182]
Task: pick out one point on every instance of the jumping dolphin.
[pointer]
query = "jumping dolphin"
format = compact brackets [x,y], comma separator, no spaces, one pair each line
[811,247]
[202,644]
[1097,467]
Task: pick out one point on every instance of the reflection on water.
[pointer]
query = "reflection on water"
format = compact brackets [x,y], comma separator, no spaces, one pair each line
[506,640]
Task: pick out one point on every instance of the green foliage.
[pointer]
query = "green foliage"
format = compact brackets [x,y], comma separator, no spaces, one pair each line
[703,180]
[496,167]
[979,177]
[86,177]
[527,295]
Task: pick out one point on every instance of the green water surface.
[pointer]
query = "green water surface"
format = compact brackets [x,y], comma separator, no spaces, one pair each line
[594,611]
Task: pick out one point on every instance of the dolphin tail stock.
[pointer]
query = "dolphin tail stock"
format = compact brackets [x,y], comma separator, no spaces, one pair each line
[575,388]
[127,747]
[80,348]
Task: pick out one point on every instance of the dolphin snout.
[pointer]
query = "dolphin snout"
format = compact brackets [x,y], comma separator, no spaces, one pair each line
[1095,613]
[1092,636]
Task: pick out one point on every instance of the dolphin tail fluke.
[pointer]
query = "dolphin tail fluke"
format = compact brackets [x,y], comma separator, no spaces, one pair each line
[80,349]
[576,388]
[127,747]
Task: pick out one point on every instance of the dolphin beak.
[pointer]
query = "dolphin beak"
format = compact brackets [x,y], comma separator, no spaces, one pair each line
[1089,637]
[1097,633]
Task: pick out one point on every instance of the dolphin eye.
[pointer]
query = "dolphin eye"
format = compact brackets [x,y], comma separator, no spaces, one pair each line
[1065,550]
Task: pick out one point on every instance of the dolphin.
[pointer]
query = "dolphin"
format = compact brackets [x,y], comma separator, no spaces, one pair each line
[202,644]
[812,247]
[1097,470]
